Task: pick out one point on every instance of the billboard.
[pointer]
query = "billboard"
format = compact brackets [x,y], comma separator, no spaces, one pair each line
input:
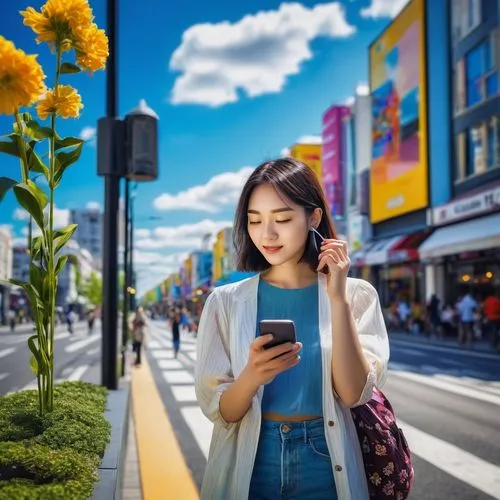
[399,170]
[333,158]
[310,154]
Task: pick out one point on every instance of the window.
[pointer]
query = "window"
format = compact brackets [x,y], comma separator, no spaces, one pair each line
[478,149]
[466,16]
[481,74]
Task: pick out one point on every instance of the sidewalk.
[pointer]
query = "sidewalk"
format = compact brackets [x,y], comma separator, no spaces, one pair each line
[480,345]
[155,466]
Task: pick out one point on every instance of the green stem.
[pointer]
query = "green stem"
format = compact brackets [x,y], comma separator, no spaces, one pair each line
[22,149]
[50,237]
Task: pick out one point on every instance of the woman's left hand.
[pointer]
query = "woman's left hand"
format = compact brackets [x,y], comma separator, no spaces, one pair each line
[333,253]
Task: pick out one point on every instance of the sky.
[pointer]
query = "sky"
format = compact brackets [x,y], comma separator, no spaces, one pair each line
[233,83]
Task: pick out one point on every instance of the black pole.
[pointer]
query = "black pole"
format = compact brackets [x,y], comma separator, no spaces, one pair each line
[126,276]
[109,373]
[131,258]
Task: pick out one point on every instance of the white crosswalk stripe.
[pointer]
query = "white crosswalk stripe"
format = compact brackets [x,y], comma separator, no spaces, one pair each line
[462,465]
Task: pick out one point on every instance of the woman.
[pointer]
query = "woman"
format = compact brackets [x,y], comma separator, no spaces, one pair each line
[282,420]
[176,335]
[139,325]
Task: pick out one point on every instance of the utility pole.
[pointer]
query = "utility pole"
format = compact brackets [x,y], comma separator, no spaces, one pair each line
[111,207]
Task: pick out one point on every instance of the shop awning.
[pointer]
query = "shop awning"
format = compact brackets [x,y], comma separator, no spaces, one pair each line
[379,252]
[406,249]
[472,235]
[358,257]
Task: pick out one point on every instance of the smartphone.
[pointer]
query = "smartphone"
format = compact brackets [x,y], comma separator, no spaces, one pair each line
[282,329]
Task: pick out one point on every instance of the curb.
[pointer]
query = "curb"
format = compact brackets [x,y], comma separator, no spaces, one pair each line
[112,467]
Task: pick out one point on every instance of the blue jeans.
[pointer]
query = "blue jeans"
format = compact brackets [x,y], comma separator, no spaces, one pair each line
[292,463]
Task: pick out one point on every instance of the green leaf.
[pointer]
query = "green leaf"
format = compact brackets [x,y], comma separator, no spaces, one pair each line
[34,365]
[42,366]
[39,193]
[26,117]
[5,184]
[37,278]
[36,132]
[32,294]
[36,246]
[67,68]
[29,202]
[61,262]
[62,236]
[67,142]
[65,159]
[10,148]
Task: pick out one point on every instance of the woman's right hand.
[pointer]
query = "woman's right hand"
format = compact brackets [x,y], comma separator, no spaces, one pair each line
[264,364]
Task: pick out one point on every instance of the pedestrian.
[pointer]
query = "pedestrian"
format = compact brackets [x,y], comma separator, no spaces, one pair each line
[491,308]
[70,319]
[139,326]
[282,425]
[467,309]
[12,319]
[176,336]
[434,316]
[91,320]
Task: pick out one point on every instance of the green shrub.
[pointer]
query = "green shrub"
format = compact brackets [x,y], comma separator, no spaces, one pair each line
[55,456]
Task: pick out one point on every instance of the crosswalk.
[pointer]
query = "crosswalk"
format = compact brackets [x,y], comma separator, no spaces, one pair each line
[446,456]
[79,343]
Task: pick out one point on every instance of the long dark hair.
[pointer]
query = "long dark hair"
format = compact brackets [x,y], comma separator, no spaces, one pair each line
[297,182]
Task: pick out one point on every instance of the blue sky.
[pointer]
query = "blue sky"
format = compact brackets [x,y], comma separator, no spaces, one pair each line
[233,84]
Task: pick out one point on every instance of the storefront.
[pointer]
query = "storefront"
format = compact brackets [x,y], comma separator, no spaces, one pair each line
[465,255]
[393,266]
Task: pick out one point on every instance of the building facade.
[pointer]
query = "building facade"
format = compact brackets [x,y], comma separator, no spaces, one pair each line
[464,250]
[6,257]
[89,234]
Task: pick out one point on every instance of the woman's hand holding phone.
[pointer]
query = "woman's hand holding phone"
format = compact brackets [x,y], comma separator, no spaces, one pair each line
[264,364]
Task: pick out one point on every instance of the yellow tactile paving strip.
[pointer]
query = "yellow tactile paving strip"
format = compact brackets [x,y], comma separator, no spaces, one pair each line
[164,473]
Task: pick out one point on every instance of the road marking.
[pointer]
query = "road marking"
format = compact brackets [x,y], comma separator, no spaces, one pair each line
[81,343]
[456,462]
[449,387]
[192,355]
[200,426]
[169,364]
[78,373]
[178,377]
[469,382]
[448,350]
[154,344]
[184,393]
[4,375]
[163,354]
[7,351]
[93,351]
[62,335]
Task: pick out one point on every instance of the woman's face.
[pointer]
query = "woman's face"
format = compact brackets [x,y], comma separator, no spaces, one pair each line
[277,227]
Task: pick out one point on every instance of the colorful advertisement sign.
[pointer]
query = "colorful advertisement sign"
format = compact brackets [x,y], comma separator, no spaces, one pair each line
[310,154]
[332,158]
[399,170]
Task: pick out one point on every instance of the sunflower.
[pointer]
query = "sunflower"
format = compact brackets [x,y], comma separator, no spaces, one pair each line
[66,103]
[92,48]
[59,21]
[21,78]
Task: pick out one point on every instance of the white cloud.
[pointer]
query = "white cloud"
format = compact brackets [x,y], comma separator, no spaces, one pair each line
[285,152]
[142,233]
[153,267]
[362,89]
[383,8]
[184,236]
[255,54]
[61,218]
[93,205]
[220,191]
[20,242]
[88,134]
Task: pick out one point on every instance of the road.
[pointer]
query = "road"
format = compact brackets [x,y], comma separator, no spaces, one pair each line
[447,401]
[77,357]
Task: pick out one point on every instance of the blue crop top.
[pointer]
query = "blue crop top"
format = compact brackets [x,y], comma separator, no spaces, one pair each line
[297,391]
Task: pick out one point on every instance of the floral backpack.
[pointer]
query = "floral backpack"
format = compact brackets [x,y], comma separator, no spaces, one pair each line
[386,455]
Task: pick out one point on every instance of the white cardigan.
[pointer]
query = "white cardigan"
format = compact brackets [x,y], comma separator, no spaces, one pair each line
[227,328]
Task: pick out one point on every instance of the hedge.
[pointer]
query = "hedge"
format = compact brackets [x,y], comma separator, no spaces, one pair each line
[54,457]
